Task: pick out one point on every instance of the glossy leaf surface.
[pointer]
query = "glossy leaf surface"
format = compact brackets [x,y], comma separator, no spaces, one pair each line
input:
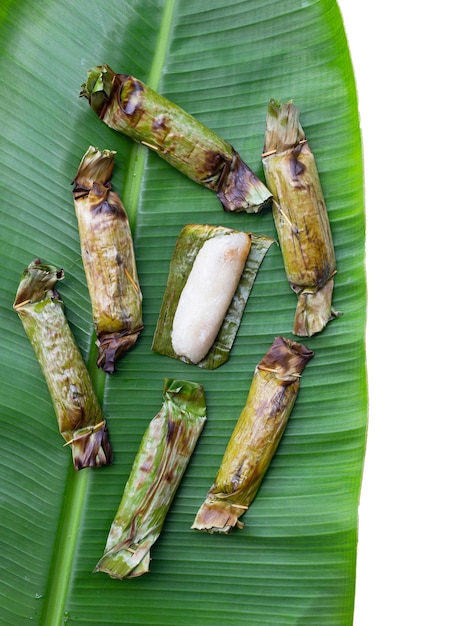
[294,562]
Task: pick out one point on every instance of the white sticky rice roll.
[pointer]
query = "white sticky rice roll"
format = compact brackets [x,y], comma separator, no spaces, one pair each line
[207,294]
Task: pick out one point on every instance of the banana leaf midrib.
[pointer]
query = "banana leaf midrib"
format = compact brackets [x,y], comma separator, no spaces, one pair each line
[76,487]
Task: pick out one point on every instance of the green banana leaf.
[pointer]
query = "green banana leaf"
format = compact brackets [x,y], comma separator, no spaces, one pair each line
[294,562]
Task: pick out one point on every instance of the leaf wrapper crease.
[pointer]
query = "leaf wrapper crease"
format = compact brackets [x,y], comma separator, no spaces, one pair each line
[129,106]
[160,463]
[79,415]
[189,243]
[108,257]
[301,218]
[255,438]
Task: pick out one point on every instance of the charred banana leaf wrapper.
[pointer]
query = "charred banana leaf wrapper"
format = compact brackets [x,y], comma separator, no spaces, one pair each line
[108,258]
[158,468]
[255,438]
[127,105]
[212,272]
[301,218]
[78,411]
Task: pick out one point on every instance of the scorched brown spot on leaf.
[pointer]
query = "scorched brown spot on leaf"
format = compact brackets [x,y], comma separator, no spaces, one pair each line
[131,99]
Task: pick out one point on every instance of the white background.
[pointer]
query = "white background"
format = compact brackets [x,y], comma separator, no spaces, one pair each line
[413,66]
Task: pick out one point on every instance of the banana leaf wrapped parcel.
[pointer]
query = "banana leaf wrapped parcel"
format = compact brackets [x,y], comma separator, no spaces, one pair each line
[79,415]
[255,438]
[108,257]
[212,271]
[301,218]
[160,463]
[129,106]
